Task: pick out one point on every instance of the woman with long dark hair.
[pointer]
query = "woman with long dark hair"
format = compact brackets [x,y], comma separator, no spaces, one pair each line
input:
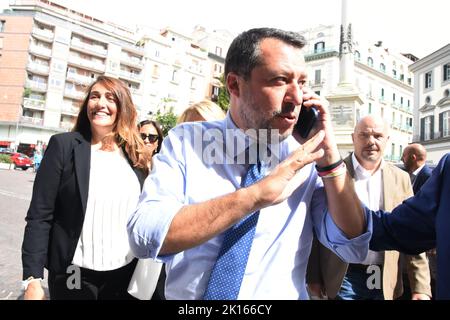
[88,184]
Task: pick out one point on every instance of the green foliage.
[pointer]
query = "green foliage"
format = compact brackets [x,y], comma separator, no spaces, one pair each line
[4,158]
[27,92]
[224,97]
[166,117]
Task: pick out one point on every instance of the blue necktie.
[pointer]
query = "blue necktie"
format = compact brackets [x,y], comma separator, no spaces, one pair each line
[226,276]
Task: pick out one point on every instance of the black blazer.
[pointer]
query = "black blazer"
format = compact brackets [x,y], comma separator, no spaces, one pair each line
[56,214]
[421,178]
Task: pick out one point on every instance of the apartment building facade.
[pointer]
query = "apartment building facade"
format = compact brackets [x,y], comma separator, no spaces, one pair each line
[432,103]
[49,56]
[382,81]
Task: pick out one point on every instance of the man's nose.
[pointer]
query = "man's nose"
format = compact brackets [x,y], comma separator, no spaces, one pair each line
[294,94]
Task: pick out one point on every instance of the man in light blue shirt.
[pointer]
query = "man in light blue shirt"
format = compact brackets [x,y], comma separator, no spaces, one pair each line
[194,193]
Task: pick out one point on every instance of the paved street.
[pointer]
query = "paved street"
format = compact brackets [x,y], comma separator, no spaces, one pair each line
[15,195]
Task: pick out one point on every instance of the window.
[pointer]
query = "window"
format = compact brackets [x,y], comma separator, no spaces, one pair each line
[392,150]
[357,55]
[393,97]
[370,108]
[402,77]
[382,93]
[401,101]
[193,83]
[155,71]
[428,80]
[2,25]
[175,75]
[319,47]
[317,92]
[317,76]
[382,68]
[218,51]
[409,81]
[218,68]
[427,128]
[445,126]
[446,72]
[370,62]
[394,74]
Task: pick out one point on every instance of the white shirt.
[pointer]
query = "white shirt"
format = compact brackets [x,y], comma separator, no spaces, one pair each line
[369,188]
[113,196]
[183,174]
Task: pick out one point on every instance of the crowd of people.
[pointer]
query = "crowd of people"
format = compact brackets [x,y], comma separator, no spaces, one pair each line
[232,204]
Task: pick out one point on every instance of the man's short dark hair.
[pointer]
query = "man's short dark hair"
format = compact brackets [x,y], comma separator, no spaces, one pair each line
[244,54]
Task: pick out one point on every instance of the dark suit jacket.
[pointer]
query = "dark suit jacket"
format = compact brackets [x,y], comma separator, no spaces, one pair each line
[421,178]
[421,223]
[56,214]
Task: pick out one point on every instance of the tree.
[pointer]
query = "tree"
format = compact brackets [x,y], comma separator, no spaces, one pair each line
[224,97]
[165,116]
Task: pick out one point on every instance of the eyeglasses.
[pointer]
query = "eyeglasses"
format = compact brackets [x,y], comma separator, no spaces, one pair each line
[151,137]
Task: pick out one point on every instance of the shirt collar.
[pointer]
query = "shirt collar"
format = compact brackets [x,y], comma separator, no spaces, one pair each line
[416,172]
[361,171]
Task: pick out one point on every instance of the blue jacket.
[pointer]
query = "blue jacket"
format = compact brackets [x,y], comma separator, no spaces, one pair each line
[421,223]
[421,178]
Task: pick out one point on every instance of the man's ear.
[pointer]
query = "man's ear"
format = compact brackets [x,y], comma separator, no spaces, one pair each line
[232,83]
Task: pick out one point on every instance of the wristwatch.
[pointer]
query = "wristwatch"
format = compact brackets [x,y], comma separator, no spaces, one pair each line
[26,282]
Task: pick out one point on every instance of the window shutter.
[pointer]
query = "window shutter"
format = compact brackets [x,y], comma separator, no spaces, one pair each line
[432,128]
[422,129]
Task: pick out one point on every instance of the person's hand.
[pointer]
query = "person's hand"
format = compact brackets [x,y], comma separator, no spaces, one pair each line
[329,146]
[420,296]
[286,177]
[34,291]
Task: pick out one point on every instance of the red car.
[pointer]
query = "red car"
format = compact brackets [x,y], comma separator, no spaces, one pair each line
[20,160]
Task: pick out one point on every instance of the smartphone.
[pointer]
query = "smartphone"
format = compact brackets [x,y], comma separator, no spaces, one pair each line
[306,120]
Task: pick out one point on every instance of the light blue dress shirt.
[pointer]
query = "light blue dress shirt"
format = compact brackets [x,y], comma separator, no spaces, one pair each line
[201,161]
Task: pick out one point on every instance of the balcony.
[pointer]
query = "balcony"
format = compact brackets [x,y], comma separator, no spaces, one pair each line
[40,50]
[38,68]
[86,47]
[74,94]
[199,53]
[69,109]
[84,63]
[79,79]
[34,104]
[135,49]
[130,76]
[131,61]
[36,85]
[31,120]
[43,34]
[321,54]
[66,125]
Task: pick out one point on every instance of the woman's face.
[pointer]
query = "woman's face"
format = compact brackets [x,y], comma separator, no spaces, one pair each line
[150,136]
[101,109]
